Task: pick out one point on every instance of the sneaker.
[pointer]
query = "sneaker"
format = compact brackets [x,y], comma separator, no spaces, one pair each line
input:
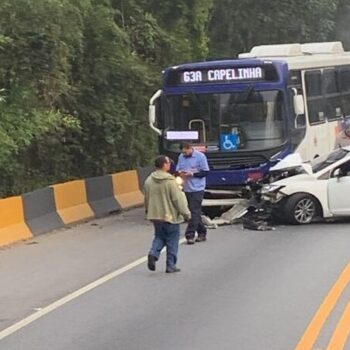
[190,241]
[201,239]
[151,262]
[172,270]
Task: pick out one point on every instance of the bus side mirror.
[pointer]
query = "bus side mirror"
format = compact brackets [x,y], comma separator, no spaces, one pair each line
[152,118]
[299,110]
[299,106]
[152,114]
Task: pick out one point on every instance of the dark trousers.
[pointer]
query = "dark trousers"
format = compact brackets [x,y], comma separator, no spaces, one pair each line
[195,200]
[166,235]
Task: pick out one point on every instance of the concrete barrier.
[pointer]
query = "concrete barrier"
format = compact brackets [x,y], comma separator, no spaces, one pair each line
[127,189]
[40,211]
[12,225]
[143,174]
[71,201]
[59,205]
[100,195]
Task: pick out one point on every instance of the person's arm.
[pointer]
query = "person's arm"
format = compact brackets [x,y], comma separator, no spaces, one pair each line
[201,173]
[146,196]
[179,166]
[203,168]
[179,200]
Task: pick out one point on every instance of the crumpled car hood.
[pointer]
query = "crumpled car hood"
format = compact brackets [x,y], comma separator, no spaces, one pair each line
[292,161]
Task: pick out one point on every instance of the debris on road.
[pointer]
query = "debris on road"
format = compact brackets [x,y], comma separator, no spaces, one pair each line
[255,213]
[229,217]
[258,220]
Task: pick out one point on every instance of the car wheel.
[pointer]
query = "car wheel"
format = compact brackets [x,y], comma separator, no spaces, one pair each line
[301,209]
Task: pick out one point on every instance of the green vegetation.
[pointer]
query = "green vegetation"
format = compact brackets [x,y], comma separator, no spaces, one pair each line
[237,26]
[76,75]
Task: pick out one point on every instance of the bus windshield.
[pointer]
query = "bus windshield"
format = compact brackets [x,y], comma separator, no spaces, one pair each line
[257,117]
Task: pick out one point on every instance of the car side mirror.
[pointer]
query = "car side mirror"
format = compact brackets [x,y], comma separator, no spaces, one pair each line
[337,173]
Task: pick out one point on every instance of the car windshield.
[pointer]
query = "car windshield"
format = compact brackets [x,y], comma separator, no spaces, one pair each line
[256,116]
[323,162]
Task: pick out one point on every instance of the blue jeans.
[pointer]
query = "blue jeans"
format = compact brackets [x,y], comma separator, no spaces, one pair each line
[166,235]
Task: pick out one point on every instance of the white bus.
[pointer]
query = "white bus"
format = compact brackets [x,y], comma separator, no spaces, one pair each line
[268,103]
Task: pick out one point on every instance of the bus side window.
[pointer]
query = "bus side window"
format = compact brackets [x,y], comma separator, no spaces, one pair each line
[344,84]
[315,100]
[333,103]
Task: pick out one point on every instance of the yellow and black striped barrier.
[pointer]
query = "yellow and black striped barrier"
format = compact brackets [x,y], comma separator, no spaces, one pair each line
[56,206]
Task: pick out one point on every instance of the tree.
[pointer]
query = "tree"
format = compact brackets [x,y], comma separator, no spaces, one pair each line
[342,23]
[237,26]
[34,77]
[75,79]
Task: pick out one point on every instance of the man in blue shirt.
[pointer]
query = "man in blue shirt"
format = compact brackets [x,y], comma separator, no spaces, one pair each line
[193,167]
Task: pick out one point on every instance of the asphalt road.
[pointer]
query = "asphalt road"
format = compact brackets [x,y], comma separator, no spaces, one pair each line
[243,290]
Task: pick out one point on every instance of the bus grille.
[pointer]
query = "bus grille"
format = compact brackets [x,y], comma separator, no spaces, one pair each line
[229,161]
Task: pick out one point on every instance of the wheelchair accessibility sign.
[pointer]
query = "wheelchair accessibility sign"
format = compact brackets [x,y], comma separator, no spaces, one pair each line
[228,142]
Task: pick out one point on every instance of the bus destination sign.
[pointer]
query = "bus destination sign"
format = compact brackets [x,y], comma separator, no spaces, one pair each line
[223,75]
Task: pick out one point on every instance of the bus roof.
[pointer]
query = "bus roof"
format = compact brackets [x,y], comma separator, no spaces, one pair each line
[219,63]
[303,56]
[296,56]
[315,61]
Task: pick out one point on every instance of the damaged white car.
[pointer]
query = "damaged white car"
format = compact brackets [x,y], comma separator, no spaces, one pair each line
[317,189]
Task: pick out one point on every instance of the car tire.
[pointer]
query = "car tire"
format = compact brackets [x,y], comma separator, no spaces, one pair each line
[301,209]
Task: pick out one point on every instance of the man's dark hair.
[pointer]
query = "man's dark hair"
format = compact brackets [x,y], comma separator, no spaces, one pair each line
[185,145]
[160,161]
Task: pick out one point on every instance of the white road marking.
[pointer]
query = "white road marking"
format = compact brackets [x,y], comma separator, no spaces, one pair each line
[57,304]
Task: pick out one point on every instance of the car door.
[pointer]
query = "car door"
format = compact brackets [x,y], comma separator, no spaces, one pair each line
[339,192]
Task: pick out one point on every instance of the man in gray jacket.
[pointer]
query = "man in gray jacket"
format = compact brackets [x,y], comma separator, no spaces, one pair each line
[166,206]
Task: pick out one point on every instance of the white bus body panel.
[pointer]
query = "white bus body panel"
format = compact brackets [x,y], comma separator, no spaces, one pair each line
[319,138]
